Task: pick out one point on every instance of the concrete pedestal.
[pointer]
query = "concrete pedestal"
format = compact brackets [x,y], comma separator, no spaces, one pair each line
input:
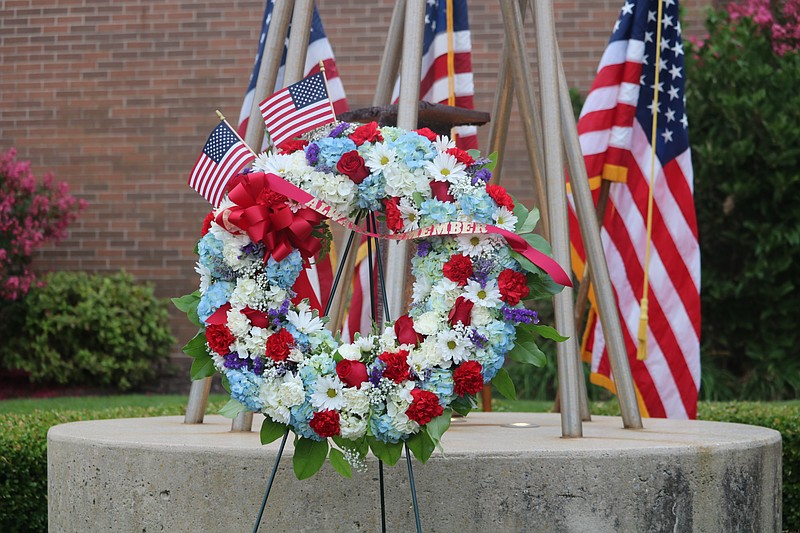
[157,474]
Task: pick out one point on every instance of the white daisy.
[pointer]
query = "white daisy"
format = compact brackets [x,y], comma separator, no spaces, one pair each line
[475,245]
[327,393]
[452,346]
[304,321]
[205,277]
[443,143]
[505,219]
[409,213]
[276,163]
[445,167]
[488,296]
[380,156]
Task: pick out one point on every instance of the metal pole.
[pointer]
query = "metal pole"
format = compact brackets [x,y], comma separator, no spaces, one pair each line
[590,230]
[397,257]
[531,123]
[198,401]
[568,370]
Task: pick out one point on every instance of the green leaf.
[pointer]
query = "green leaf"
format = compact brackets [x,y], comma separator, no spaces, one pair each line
[502,381]
[309,456]
[538,242]
[438,426]
[493,157]
[417,196]
[464,404]
[521,212]
[525,350]
[271,430]
[202,367]
[421,445]
[388,453]
[529,223]
[340,464]
[186,302]
[232,408]
[226,385]
[545,331]
[541,286]
[197,346]
[359,445]
[474,153]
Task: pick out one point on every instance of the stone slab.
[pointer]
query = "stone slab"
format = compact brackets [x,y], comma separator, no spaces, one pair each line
[158,474]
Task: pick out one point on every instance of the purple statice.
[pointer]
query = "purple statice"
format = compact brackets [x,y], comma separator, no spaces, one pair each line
[277,314]
[232,361]
[335,132]
[483,175]
[312,154]
[258,366]
[520,316]
[253,248]
[376,373]
[423,248]
[482,269]
[477,339]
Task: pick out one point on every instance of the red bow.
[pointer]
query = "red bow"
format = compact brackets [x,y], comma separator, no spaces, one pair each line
[266,217]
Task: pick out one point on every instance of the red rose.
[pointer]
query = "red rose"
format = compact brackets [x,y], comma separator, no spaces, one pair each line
[458,269]
[499,195]
[396,365]
[468,378]
[207,222]
[257,318]
[441,191]
[291,145]
[404,329]
[427,133]
[279,344]
[424,408]
[461,155]
[219,338]
[352,373]
[366,133]
[353,165]
[394,219]
[513,286]
[461,312]
[325,423]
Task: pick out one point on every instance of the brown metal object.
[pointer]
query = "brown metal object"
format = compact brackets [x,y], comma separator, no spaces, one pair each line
[440,118]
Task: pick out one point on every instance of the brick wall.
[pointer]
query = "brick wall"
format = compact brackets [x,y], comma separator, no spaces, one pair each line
[116,98]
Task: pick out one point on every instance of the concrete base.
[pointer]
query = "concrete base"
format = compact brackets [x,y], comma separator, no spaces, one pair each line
[157,474]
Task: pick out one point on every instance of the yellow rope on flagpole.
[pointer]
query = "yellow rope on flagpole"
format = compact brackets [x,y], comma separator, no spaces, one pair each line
[451,57]
[641,350]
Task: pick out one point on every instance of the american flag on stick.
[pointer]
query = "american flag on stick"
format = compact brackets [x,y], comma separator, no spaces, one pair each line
[223,156]
[298,108]
[616,133]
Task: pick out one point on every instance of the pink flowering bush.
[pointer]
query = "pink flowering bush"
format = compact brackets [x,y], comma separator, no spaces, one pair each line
[31,214]
[779,21]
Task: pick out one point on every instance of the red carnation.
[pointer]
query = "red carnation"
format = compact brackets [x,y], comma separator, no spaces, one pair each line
[406,334]
[352,373]
[269,198]
[427,133]
[366,133]
[461,312]
[513,286]
[353,166]
[461,155]
[394,219]
[207,222]
[499,195]
[291,145]
[458,269]
[441,191]
[424,408]
[278,345]
[468,378]
[396,365]
[325,423]
[219,338]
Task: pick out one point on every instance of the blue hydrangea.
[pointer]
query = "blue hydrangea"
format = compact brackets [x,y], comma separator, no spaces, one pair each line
[300,416]
[441,384]
[370,192]
[244,388]
[438,212]
[209,248]
[382,429]
[413,149]
[332,149]
[215,297]
[491,363]
[285,272]
[479,205]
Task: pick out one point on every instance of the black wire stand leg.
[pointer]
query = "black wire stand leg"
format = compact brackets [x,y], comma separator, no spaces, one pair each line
[271,479]
[335,284]
[413,489]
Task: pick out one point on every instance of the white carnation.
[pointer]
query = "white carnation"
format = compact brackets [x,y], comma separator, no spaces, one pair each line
[356,400]
[350,351]
[238,323]
[352,427]
[246,293]
[428,323]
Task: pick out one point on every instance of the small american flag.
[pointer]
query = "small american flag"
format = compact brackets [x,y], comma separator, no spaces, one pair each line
[615,129]
[223,157]
[298,108]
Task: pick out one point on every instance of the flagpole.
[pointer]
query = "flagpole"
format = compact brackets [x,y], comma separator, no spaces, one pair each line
[325,79]
[641,349]
[223,119]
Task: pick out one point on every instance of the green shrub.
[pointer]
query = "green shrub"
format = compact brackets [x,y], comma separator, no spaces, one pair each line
[93,330]
[744,111]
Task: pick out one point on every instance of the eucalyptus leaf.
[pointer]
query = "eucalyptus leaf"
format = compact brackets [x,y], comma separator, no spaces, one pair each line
[502,381]
[232,409]
[339,463]
[421,445]
[197,346]
[202,367]
[309,456]
[271,430]
[386,452]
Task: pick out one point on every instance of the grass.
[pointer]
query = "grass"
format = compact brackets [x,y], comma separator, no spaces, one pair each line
[98,403]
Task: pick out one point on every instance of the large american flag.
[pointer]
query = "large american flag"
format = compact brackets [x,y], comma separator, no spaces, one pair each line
[443,82]
[298,108]
[615,130]
[319,49]
[223,156]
